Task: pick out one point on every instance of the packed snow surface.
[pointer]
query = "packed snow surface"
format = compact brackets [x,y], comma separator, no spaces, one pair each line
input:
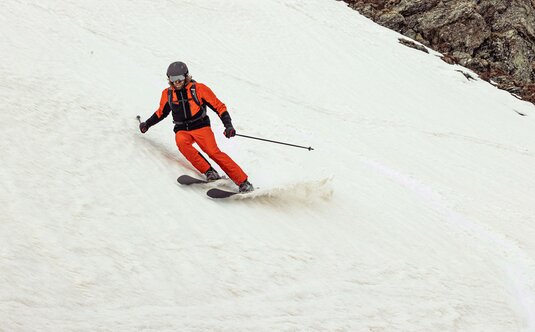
[414,212]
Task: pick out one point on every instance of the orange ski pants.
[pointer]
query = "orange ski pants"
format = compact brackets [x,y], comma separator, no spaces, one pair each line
[204,137]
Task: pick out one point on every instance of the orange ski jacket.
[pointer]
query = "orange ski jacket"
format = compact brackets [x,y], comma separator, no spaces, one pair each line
[188,107]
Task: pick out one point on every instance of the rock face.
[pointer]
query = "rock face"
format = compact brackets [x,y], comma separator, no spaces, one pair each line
[495,38]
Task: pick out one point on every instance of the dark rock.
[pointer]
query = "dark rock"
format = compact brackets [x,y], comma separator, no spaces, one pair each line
[451,59]
[411,7]
[391,19]
[453,27]
[467,75]
[495,38]
[412,44]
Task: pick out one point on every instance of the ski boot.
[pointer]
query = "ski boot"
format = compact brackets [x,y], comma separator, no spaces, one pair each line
[246,187]
[212,175]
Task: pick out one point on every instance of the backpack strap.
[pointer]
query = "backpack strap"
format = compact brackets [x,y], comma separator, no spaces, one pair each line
[170,98]
[193,90]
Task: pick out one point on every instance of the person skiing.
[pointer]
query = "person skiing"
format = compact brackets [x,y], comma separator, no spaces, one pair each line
[187,100]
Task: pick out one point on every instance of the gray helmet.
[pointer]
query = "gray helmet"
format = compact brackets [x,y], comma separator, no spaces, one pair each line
[177,71]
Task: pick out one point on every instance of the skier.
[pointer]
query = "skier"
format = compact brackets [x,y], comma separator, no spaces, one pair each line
[187,101]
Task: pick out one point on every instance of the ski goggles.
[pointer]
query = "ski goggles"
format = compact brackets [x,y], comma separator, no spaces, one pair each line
[178,78]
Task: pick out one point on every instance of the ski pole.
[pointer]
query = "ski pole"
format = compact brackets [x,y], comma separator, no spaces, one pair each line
[138,118]
[267,140]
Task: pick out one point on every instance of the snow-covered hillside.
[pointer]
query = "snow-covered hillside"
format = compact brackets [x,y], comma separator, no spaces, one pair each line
[415,211]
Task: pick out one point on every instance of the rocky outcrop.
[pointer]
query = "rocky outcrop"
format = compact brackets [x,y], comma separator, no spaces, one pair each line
[495,38]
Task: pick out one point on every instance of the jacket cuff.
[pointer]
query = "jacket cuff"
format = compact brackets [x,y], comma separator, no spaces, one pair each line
[225,118]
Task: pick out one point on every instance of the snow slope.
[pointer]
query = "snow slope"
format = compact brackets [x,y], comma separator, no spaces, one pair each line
[415,211]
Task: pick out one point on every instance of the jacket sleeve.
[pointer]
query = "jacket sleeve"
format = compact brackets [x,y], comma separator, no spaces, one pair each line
[209,98]
[162,112]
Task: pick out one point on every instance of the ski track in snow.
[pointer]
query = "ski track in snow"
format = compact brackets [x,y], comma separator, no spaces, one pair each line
[518,265]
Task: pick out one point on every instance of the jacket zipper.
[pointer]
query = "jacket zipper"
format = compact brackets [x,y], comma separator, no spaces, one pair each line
[184,108]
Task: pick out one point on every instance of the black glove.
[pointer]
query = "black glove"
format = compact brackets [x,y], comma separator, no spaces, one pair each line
[229,132]
[143,127]
[227,122]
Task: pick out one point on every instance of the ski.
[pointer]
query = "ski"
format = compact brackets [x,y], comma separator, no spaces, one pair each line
[188,180]
[220,193]
[213,193]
